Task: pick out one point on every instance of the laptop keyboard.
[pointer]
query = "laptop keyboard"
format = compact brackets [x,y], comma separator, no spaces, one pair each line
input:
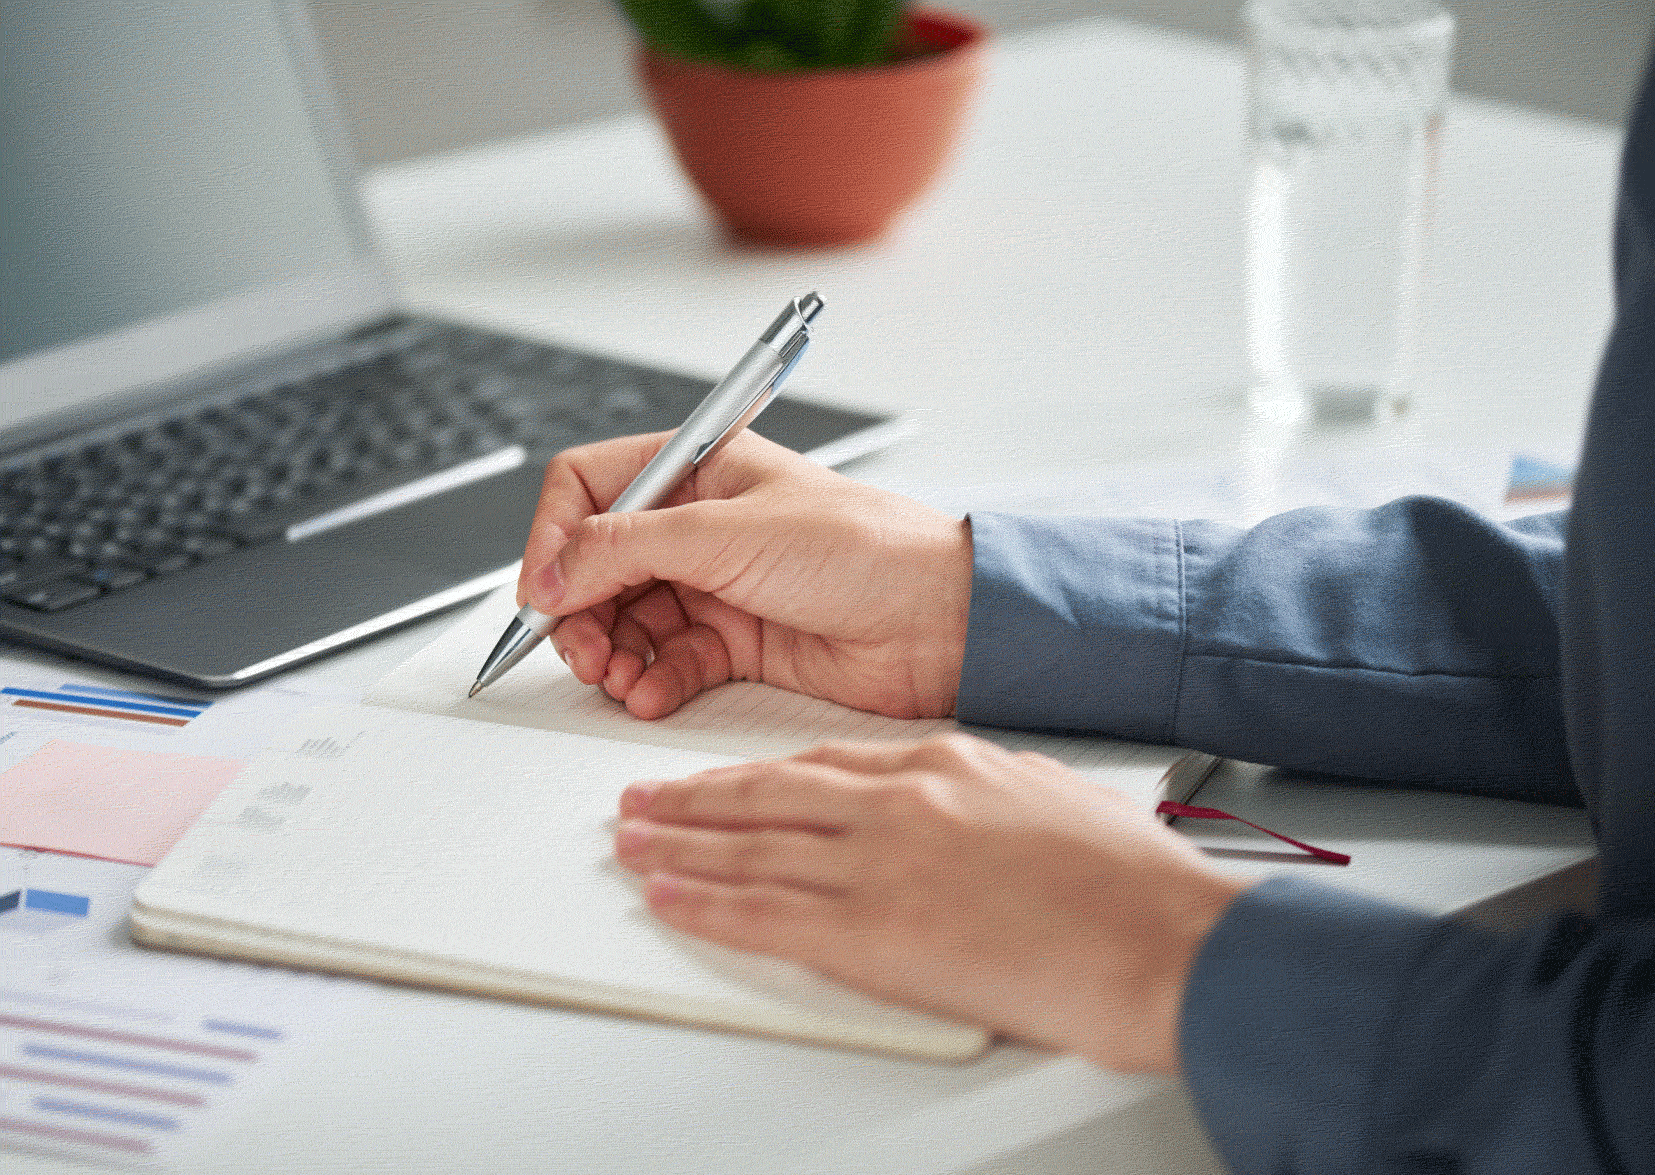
[164,497]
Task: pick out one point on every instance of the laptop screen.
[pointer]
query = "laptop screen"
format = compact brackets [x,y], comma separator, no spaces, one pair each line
[155,158]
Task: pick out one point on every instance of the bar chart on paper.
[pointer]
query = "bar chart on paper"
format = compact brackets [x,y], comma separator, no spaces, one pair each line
[82,702]
[119,1057]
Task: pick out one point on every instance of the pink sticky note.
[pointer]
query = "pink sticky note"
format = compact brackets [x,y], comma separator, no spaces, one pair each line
[100,802]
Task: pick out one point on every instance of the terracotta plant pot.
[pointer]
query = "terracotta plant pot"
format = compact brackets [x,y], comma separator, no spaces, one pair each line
[819,156]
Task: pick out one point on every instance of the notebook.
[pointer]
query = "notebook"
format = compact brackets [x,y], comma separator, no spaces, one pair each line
[465,844]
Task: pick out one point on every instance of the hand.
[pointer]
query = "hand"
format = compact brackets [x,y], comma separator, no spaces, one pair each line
[950,875]
[763,566]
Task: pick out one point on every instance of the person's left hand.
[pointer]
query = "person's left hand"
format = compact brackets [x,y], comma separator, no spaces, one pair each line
[951,875]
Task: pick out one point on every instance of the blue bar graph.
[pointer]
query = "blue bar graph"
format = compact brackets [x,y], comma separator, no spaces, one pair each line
[110,1060]
[57,903]
[105,1113]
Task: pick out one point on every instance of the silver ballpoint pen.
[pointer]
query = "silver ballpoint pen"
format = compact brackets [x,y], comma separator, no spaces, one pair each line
[728,408]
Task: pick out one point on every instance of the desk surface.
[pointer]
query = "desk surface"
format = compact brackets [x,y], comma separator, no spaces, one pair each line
[1070,296]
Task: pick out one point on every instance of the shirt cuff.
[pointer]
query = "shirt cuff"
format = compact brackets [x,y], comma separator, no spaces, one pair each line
[1076,624]
[1288,1006]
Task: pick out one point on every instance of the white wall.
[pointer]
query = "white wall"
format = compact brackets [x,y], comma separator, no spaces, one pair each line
[417,76]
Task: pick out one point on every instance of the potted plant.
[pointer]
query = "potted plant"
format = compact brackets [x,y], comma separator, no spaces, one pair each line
[807,122]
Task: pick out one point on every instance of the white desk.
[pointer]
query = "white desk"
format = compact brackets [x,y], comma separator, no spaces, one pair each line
[1071,295]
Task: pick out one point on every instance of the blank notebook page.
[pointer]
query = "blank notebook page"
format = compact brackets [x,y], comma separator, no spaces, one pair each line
[740,719]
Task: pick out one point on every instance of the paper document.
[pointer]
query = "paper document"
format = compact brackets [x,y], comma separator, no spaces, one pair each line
[1263,483]
[120,1057]
[741,719]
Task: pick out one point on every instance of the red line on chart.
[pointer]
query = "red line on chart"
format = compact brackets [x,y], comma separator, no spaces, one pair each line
[136,1146]
[99,713]
[28,1023]
[124,1088]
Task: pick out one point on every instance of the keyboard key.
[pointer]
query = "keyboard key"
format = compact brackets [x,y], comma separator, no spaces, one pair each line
[165,561]
[111,576]
[34,570]
[54,596]
[209,545]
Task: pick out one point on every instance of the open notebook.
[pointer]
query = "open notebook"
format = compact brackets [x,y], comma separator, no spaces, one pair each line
[431,839]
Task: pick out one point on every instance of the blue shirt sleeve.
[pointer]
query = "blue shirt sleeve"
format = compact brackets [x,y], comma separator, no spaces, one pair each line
[1328,1033]
[1414,643]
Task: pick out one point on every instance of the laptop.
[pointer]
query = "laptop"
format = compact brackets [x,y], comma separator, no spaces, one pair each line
[225,446]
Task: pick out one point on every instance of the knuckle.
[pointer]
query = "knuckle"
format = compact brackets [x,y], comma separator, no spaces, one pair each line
[753,907]
[827,754]
[945,751]
[593,530]
[559,471]
[744,790]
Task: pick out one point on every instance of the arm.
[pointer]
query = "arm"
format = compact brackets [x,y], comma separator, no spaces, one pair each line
[1416,642]
[1325,1032]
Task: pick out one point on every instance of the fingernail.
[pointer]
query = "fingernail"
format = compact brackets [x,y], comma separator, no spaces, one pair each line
[635,799]
[548,587]
[563,655]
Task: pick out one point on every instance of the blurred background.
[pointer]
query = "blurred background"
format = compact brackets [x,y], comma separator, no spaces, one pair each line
[422,76]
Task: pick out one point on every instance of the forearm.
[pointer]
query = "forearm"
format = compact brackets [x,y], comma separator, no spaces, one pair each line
[1324,1032]
[1415,642]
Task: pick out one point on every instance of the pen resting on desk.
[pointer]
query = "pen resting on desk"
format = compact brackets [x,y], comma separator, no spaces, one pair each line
[466,844]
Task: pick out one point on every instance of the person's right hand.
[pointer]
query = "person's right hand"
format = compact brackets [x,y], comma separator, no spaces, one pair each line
[762,566]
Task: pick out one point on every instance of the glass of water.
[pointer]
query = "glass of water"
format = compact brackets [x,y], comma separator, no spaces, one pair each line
[1345,102]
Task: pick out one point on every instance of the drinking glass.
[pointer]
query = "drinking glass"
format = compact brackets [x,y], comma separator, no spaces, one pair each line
[1345,103]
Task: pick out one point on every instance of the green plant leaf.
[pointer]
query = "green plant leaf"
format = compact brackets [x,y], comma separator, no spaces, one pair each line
[679,27]
[772,34]
[876,26]
[771,56]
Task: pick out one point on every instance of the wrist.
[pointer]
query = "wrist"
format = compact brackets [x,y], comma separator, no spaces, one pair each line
[1176,930]
[955,612]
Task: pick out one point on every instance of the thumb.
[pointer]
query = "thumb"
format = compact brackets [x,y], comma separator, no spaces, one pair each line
[698,544]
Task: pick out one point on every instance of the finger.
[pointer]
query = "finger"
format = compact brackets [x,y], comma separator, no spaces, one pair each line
[685,664]
[737,856]
[580,482]
[630,655]
[770,919]
[565,498]
[658,613]
[582,640]
[702,544]
[779,792]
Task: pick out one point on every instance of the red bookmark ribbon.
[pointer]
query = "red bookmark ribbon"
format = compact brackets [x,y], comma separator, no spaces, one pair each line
[1168,808]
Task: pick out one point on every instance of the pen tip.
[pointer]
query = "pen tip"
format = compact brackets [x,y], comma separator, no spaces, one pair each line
[810,305]
[476,688]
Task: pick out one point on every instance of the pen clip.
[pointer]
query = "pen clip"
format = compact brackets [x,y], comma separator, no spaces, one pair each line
[791,352]
[757,405]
